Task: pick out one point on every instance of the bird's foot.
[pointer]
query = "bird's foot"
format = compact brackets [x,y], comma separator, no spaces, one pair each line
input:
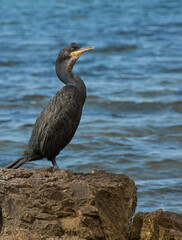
[55,166]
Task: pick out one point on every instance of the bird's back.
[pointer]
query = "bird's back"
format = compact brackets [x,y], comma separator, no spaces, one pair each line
[55,125]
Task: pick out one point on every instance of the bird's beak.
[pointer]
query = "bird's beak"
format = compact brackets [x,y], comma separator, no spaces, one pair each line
[78,52]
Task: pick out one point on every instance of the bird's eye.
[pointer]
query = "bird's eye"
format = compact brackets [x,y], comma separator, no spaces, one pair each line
[72,49]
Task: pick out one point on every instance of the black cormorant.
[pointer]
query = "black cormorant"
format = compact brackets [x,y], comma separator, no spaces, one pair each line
[58,121]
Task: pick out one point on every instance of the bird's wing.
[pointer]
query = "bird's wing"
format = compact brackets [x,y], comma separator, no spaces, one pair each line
[58,121]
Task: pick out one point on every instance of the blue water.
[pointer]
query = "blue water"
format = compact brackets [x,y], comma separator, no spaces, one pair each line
[132,119]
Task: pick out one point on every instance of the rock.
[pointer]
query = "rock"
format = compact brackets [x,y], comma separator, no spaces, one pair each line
[41,204]
[157,225]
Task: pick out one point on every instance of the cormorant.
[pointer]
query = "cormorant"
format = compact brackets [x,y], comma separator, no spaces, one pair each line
[58,121]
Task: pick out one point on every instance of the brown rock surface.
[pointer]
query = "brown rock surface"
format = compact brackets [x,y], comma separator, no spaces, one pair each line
[40,204]
[157,225]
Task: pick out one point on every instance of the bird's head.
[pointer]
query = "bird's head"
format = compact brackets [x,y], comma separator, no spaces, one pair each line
[66,60]
[71,53]
[76,51]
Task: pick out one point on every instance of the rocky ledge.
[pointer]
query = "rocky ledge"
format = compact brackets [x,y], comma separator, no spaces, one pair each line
[157,225]
[39,204]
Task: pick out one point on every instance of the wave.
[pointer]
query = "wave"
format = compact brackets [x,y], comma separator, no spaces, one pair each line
[118,48]
[9,63]
[130,106]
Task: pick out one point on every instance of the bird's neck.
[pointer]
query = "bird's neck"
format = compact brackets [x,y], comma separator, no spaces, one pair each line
[66,76]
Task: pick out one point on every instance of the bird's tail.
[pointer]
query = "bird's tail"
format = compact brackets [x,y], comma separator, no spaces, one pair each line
[17,163]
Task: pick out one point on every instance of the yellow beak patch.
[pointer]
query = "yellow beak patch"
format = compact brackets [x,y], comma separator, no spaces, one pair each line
[78,52]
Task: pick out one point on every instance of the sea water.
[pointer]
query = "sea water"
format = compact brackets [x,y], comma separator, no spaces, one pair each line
[132,119]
